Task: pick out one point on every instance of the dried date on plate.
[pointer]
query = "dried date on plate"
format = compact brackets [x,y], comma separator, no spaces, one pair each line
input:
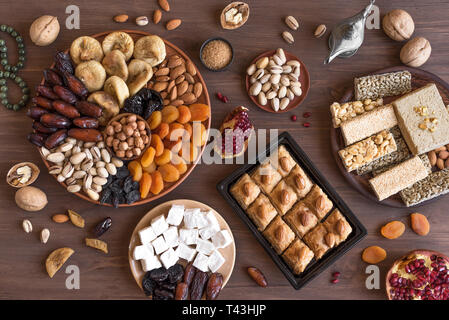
[182,291]
[97,244]
[76,219]
[56,259]
[189,273]
[257,276]
[214,286]
[198,285]
[102,226]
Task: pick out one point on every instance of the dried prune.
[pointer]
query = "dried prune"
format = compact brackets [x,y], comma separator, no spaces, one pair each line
[163,293]
[168,286]
[127,184]
[106,195]
[189,273]
[148,284]
[214,286]
[132,196]
[175,273]
[144,103]
[198,285]
[156,297]
[159,274]
[103,226]
[182,291]
[122,172]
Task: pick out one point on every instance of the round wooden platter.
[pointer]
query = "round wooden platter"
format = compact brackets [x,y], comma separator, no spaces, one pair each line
[228,252]
[419,79]
[204,98]
[304,79]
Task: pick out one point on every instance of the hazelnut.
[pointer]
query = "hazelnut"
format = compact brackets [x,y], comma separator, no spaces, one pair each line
[130,141]
[118,128]
[109,130]
[137,151]
[129,154]
[109,141]
[132,118]
[120,153]
[416,52]
[128,130]
[123,146]
[121,136]
[141,125]
[398,25]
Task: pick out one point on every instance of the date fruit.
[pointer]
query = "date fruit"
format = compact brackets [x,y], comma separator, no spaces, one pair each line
[214,286]
[66,109]
[89,109]
[102,227]
[257,276]
[86,123]
[39,127]
[46,92]
[198,285]
[65,94]
[55,138]
[86,135]
[36,112]
[53,120]
[182,291]
[37,139]
[52,77]
[189,273]
[43,102]
[63,63]
[75,85]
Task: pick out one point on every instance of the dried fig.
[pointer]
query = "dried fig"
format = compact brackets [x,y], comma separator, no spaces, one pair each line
[56,259]
[92,75]
[115,64]
[140,72]
[150,49]
[108,103]
[119,41]
[117,88]
[85,49]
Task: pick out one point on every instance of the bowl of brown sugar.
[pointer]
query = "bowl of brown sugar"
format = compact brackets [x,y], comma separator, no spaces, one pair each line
[216,54]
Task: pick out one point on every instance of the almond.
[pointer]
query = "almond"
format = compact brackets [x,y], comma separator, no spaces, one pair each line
[320,31]
[197,89]
[157,16]
[302,253]
[162,72]
[266,178]
[305,219]
[173,24]
[190,67]
[176,72]
[262,210]
[432,158]
[188,98]
[285,197]
[300,181]
[284,163]
[443,155]
[174,61]
[330,239]
[320,202]
[182,87]
[440,164]
[247,189]
[164,5]
[60,218]
[340,227]
[121,18]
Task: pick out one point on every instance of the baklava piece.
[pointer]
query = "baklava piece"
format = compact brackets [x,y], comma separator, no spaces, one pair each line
[318,202]
[279,234]
[298,256]
[319,240]
[261,212]
[245,191]
[338,225]
[283,197]
[301,219]
[284,162]
[266,177]
[299,181]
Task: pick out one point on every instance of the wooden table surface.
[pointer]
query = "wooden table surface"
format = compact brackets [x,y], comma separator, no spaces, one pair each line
[22,272]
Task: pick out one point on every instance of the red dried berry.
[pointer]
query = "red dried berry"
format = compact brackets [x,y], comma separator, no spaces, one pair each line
[219,96]
[225,99]
[336,274]
[306,124]
[334,281]
[307,114]
[293,118]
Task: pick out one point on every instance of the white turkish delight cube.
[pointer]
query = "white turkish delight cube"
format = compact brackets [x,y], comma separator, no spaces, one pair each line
[175,215]
[188,236]
[207,233]
[169,258]
[147,235]
[185,252]
[222,239]
[200,262]
[190,218]
[204,246]
[159,245]
[150,263]
[143,251]
[171,236]
[212,221]
[201,220]
[215,261]
[159,225]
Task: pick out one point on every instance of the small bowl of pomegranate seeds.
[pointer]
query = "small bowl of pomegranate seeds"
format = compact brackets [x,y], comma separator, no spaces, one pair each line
[419,275]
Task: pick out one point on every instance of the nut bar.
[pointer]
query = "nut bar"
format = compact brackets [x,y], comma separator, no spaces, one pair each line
[398,178]
[346,111]
[367,124]
[367,150]
[382,85]
[436,184]
[423,157]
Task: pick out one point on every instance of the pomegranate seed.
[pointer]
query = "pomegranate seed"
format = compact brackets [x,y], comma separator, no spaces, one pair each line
[334,281]
[293,118]
[336,274]
[219,95]
[307,114]
[306,124]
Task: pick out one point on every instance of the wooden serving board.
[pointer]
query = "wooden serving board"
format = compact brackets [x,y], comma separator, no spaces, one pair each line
[204,98]
[419,79]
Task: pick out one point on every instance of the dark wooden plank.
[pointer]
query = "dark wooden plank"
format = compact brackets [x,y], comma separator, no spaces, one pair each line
[108,277]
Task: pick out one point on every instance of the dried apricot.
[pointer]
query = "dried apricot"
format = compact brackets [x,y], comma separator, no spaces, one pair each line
[145,185]
[148,157]
[189,130]
[169,172]
[393,230]
[157,144]
[184,114]
[163,130]
[189,152]
[155,120]
[164,158]
[374,254]
[199,137]
[199,112]
[157,183]
[151,168]
[176,131]
[135,169]
[170,114]
[173,146]
[420,224]
[179,164]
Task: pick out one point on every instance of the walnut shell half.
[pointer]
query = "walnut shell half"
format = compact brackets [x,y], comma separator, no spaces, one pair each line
[234,15]
[398,25]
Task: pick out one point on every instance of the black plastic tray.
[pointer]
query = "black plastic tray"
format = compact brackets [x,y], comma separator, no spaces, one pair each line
[315,267]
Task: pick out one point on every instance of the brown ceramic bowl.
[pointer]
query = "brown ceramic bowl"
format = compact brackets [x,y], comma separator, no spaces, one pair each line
[304,78]
[204,98]
[118,118]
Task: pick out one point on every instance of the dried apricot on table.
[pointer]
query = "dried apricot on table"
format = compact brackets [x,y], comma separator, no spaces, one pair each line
[200,112]
[56,259]
[169,172]
[164,158]
[420,224]
[148,157]
[170,114]
[374,254]
[157,183]
[393,230]
[145,185]
[155,120]
[184,114]
[135,169]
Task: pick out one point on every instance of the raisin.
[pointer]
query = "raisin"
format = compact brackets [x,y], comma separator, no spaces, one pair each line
[182,291]
[144,103]
[122,172]
[103,226]
[189,273]
[164,293]
[106,195]
[132,196]
[214,286]
[198,285]
[115,200]
[175,273]
[127,185]
[148,284]
[159,274]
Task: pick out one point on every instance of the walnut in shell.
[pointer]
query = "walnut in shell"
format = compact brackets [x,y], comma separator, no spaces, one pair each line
[398,25]
[416,52]
[234,15]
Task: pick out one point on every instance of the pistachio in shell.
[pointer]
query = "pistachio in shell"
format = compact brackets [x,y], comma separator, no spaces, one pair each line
[234,15]
[56,260]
